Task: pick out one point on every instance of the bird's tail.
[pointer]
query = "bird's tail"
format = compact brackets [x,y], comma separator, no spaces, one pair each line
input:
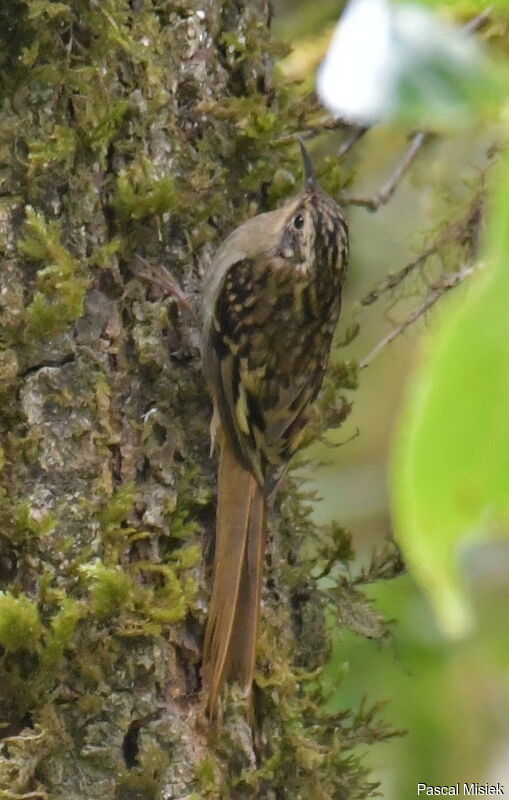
[230,638]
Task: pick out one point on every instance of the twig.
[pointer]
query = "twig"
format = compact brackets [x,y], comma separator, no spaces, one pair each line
[386,192]
[459,230]
[440,287]
[357,132]
[332,445]
[478,22]
[165,280]
[329,124]
[393,279]
[353,139]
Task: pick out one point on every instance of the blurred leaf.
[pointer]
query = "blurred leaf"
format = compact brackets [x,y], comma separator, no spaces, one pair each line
[451,461]
[406,64]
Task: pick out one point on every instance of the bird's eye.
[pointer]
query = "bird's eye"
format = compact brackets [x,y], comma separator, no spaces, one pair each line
[298,222]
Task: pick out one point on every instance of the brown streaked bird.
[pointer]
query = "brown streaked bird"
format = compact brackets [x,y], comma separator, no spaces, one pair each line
[270,309]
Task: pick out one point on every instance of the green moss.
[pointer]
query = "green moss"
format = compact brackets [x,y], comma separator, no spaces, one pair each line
[118,506]
[42,242]
[139,193]
[146,597]
[43,10]
[332,176]
[61,286]
[26,525]
[60,634]
[104,254]
[192,497]
[283,184]
[9,368]
[35,645]
[165,601]
[186,557]
[332,407]
[252,116]
[206,776]
[100,124]
[110,589]
[57,149]
[24,755]
[20,623]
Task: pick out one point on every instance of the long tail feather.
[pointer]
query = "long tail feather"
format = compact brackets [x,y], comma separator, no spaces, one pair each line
[230,638]
[247,615]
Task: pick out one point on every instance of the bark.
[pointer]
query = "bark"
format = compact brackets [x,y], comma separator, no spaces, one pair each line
[133,137]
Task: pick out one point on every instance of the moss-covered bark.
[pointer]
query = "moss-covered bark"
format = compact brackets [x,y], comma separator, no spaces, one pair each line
[133,136]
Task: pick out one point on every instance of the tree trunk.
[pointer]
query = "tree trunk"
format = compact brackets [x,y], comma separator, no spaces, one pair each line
[133,137]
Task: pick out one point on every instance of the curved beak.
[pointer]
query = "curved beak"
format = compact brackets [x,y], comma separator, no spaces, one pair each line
[309,173]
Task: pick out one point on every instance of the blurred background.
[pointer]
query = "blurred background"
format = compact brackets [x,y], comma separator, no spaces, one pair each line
[451,698]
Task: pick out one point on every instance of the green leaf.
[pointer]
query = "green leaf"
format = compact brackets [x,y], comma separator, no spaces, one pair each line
[450,466]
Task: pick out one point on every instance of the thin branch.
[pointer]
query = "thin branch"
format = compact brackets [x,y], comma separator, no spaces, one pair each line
[329,124]
[478,22]
[356,132]
[439,288]
[333,445]
[165,280]
[393,279]
[462,230]
[353,139]
[386,192]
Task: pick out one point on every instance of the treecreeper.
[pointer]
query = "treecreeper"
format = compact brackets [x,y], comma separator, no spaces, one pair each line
[270,308]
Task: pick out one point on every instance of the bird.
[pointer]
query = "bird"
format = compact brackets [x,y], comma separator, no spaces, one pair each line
[270,307]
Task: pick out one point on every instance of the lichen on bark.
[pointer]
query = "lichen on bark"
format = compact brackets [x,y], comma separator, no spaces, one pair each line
[133,137]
